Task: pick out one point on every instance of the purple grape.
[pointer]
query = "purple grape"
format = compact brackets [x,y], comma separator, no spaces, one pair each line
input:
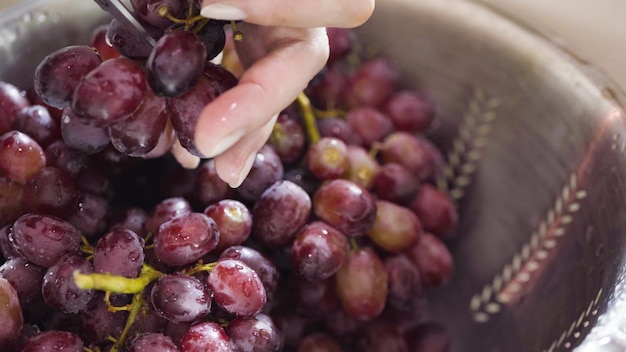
[314,299]
[279,213]
[59,73]
[209,188]
[346,206]
[43,240]
[396,227]
[404,281]
[181,299]
[318,251]
[21,157]
[433,260]
[133,218]
[69,159]
[99,42]
[409,111]
[176,63]
[11,318]
[234,221]
[166,210]
[288,139]
[395,183]
[98,322]
[185,109]
[76,134]
[206,336]
[7,246]
[149,11]
[257,261]
[109,93]
[152,342]
[139,134]
[338,128]
[58,288]
[256,333]
[213,37]
[12,100]
[37,122]
[237,288]
[369,124]
[25,277]
[54,341]
[372,83]
[119,252]
[415,153]
[51,191]
[266,170]
[436,211]
[185,239]
[362,284]
[127,43]
[91,216]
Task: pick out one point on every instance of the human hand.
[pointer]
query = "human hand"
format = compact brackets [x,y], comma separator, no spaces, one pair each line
[284,46]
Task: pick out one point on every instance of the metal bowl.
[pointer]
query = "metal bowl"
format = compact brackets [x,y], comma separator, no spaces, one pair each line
[535,144]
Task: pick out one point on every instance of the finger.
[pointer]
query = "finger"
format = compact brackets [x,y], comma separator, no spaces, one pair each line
[264,90]
[300,14]
[234,164]
[184,157]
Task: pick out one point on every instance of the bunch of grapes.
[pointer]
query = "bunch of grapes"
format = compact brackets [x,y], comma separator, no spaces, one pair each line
[330,244]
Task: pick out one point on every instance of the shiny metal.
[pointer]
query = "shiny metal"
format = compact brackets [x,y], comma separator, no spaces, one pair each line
[119,11]
[536,148]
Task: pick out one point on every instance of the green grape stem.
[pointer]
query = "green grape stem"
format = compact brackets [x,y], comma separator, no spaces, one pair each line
[135,309]
[308,115]
[116,283]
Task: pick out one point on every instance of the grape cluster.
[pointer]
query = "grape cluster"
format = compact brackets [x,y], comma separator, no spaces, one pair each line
[330,244]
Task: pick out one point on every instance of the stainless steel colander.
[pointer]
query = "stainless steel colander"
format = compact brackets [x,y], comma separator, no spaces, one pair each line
[536,161]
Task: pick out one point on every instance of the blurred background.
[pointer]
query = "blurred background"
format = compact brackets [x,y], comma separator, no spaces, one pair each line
[595,30]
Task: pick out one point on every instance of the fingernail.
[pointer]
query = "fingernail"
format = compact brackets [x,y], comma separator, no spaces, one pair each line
[223,12]
[219,147]
[245,170]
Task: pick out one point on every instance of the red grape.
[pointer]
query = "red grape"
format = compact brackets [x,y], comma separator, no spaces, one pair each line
[257,261]
[58,288]
[11,318]
[99,42]
[54,341]
[25,277]
[166,210]
[266,170]
[396,227]
[234,221]
[362,168]
[37,122]
[11,206]
[180,298]
[91,216]
[21,157]
[88,139]
[372,83]
[395,183]
[328,158]
[12,100]
[258,334]
[149,342]
[51,191]
[319,342]
[237,288]
[433,259]
[369,124]
[205,336]
[435,210]
[149,11]
[413,152]
[318,251]
[409,111]
[119,252]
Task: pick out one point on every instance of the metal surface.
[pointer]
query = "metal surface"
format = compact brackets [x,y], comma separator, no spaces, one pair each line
[119,11]
[536,149]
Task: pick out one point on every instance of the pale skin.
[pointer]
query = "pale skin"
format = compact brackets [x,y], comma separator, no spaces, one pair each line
[285,46]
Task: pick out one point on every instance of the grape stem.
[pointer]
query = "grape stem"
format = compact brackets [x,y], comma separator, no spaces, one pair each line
[200,267]
[116,283]
[136,306]
[308,115]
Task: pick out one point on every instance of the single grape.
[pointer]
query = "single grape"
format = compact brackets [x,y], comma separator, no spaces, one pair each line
[185,239]
[209,188]
[395,183]
[97,180]
[51,191]
[139,134]
[266,170]
[433,260]
[59,73]
[396,227]
[43,239]
[237,288]
[11,318]
[37,122]
[257,261]
[346,206]
[223,76]
[111,92]
[409,111]
[279,213]
[119,252]
[372,83]
[369,124]
[327,158]
[213,37]
[166,210]
[233,219]
[181,298]
[21,157]
[338,128]
[404,281]
[91,216]
[363,167]
[435,210]
[87,139]
[185,109]
[176,63]
[11,206]
[314,299]
[149,11]
[288,138]
[415,153]
[152,342]
[54,341]
[318,251]
[12,100]
[362,284]
[319,342]
[132,218]
[71,160]
[25,277]
[328,88]
[98,322]
[127,43]
[99,42]
[258,334]
[58,288]
[205,336]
